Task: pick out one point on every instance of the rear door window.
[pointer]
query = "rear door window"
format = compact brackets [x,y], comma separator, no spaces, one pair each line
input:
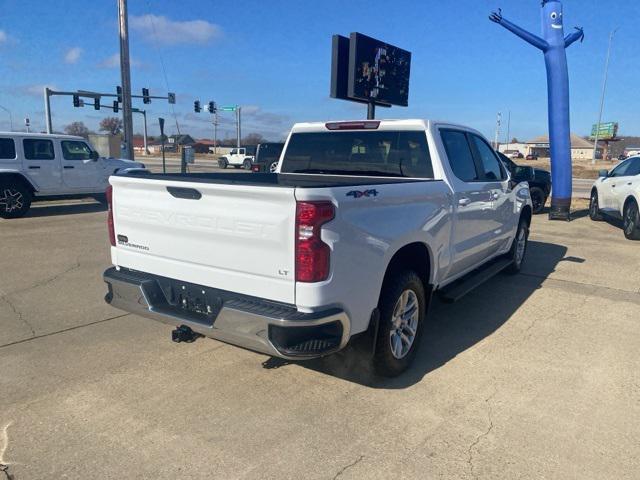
[38,149]
[7,149]
[376,153]
[459,155]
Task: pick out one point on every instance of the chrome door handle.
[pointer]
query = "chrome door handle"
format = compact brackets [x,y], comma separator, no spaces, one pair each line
[464,201]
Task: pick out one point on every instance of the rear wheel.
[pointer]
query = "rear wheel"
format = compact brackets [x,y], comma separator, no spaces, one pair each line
[273,166]
[594,207]
[15,200]
[519,248]
[631,221]
[538,199]
[402,313]
[246,164]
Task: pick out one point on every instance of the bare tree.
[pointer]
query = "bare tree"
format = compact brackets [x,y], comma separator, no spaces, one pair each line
[253,139]
[111,125]
[77,128]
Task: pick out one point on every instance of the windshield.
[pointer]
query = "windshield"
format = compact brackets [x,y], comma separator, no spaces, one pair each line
[379,153]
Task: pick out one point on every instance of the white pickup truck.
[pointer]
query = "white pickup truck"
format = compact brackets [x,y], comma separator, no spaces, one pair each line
[238,157]
[362,223]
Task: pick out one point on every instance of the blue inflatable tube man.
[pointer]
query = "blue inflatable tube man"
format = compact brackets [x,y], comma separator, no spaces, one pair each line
[553,46]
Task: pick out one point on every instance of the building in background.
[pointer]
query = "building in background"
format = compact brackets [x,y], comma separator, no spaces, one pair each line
[581,149]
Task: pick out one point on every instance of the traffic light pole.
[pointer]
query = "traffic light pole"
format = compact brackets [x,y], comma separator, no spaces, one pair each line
[127,119]
[47,109]
[238,132]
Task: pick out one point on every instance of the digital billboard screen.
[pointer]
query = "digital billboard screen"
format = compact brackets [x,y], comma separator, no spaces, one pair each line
[378,72]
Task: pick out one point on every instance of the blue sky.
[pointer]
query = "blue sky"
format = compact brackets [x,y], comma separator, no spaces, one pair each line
[273,57]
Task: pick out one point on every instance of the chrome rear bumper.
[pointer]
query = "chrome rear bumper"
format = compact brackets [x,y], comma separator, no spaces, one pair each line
[267,327]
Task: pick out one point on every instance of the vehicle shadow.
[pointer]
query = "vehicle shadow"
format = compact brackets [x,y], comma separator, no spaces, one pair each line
[451,328]
[44,210]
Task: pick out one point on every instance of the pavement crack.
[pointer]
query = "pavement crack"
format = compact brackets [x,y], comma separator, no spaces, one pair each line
[19,314]
[483,435]
[4,444]
[76,327]
[53,278]
[347,467]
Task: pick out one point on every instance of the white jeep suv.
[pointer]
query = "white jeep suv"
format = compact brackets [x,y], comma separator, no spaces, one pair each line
[41,165]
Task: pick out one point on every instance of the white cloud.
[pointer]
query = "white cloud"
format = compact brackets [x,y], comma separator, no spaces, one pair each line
[171,32]
[38,90]
[3,37]
[114,62]
[72,55]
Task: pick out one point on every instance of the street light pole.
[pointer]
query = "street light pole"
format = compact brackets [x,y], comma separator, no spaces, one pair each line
[125,73]
[604,89]
[10,116]
[498,122]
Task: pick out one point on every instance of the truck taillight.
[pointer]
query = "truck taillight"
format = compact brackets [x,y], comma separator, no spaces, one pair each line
[312,254]
[112,231]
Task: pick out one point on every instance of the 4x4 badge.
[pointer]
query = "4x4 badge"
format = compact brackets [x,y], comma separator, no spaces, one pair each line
[362,193]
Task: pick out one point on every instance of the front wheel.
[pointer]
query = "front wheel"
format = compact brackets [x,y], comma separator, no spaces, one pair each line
[538,199]
[631,221]
[594,207]
[518,248]
[402,313]
[273,166]
[15,200]
[223,163]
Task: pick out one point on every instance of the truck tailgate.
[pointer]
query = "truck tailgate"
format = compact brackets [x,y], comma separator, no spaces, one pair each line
[232,237]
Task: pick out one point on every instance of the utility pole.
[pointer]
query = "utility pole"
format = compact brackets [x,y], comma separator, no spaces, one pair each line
[10,116]
[47,109]
[238,132]
[604,88]
[127,119]
[215,133]
[508,142]
[498,122]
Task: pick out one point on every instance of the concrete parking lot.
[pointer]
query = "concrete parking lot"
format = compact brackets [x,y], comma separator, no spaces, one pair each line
[532,376]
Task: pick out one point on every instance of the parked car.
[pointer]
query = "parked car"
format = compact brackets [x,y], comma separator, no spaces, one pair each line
[539,182]
[238,157]
[34,166]
[516,154]
[365,221]
[617,193]
[267,156]
[621,157]
[532,156]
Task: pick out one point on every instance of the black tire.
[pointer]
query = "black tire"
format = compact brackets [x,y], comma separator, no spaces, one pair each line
[518,248]
[594,207]
[631,220]
[388,361]
[272,166]
[223,163]
[246,164]
[15,200]
[538,199]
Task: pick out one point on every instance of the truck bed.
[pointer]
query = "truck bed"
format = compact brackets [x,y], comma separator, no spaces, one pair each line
[287,180]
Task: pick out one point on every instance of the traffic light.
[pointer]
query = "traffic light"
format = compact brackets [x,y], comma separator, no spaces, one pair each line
[115,106]
[212,107]
[76,101]
[96,103]
[172,98]
[119,92]
[145,96]
[196,106]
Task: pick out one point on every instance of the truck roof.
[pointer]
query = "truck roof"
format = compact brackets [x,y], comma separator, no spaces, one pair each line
[385,124]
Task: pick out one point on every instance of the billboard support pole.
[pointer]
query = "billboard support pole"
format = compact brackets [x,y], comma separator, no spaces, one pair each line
[371,110]
[604,89]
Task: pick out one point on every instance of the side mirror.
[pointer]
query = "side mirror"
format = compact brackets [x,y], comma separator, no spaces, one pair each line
[524,174]
[94,155]
[603,173]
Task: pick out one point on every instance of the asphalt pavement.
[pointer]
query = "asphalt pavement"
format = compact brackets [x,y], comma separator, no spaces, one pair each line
[529,376]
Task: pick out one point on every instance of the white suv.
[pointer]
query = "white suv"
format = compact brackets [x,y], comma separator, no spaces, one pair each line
[41,165]
[617,193]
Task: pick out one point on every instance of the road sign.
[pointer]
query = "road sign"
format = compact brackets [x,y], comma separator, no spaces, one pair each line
[607,131]
[228,108]
[172,97]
